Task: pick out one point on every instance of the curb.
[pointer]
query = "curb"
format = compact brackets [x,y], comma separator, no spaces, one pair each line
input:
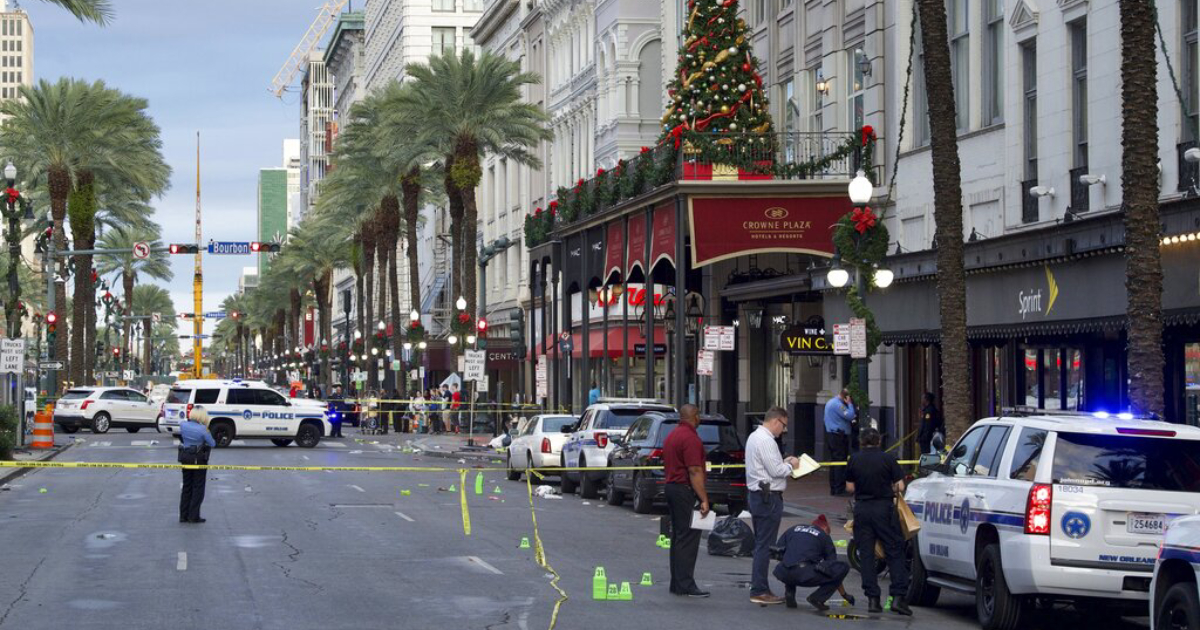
[459,454]
[20,472]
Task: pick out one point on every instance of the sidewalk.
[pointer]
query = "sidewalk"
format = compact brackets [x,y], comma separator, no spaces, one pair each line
[61,443]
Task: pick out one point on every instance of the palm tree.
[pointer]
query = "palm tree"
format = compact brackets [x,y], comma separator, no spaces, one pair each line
[947,216]
[236,311]
[315,249]
[150,300]
[470,105]
[1139,186]
[98,11]
[128,267]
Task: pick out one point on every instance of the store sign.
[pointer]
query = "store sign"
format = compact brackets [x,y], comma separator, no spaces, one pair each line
[640,348]
[728,227]
[805,340]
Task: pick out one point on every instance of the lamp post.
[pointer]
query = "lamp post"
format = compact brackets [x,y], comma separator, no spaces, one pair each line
[14,216]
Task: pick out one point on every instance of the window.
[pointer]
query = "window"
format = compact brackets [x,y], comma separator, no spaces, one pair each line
[759,9]
[1051,372]
[136,397]
[959,32]
[815,122]
[175,397]
[472,5]
[443,6]
[1053,378]
[554,424]
[791,119]
[617,418]
[783,4]
[1125,461]
[1027,454]
[1189,79]
[206,396]
[443,40]
[993,61]
[920,98]
[639,430]
[721,434]
[113,395]
[240,397]
[1029,111]
[988,461]
[270,398]
[858,83]
[959,461]
[1079,96]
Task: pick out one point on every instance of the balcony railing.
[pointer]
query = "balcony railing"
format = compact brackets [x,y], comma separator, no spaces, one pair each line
[706,156]
[1029,203]
[1079,191]
[1189,172]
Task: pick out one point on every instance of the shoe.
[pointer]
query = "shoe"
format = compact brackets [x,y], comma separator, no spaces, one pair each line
[873,605]
[818,604]
[698,594]
[766,599]
[198,520]
[900,607]
[850,599]
[184,520]
[789,597]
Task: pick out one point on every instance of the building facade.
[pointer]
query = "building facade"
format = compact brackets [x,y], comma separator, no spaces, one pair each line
[316,119]
[16,50]
[272,210]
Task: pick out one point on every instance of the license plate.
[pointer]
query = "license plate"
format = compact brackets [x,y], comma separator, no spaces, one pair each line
[1139,523]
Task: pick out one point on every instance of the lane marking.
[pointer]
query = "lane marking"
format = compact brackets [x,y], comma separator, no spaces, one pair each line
[181,561]
[405,517]
[357,488]
[485,565]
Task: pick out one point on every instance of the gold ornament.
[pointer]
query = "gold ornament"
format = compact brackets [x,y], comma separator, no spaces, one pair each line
[722,56]
[740,40]
[724,109]
[763,128]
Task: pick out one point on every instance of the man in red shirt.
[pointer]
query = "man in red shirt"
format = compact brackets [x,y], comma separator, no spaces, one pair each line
[456,399]
[683,464]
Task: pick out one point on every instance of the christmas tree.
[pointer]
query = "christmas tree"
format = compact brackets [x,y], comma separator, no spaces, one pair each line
[716,87]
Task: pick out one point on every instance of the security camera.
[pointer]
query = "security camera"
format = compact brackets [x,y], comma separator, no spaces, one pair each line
[1092,180]
[1041,191]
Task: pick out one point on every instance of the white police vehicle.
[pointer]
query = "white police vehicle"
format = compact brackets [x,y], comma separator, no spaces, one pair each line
[1175,596]
[245,410]
[590,443]
[1033,510]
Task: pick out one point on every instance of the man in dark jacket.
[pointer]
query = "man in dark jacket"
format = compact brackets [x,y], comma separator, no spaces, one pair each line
[931,423]
[809,559]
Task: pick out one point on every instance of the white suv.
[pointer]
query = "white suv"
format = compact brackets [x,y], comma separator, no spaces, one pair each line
[591,442]
[247,409]
[102,408]
[1050,508]
[1175,600]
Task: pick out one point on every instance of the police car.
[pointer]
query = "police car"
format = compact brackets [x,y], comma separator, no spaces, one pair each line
[591,442]
[247,409]
[1052,508]
[1175,601]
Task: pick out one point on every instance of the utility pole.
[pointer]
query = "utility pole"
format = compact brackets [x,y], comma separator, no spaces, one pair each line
[198,283]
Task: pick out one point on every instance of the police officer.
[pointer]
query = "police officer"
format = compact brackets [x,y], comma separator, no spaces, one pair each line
[931,424]
[809,559]
[875,478]
[196,443]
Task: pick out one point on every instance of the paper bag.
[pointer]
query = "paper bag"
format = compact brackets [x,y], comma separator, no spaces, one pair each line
[908,521]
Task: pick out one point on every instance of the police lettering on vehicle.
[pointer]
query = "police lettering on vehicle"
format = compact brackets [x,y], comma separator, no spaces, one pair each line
[940,513]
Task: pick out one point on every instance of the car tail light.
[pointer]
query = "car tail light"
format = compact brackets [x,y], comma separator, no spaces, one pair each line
[601,439]
[545,445]
[1037,509]
[655,454]
[738,455]
[188,412]
[85,404]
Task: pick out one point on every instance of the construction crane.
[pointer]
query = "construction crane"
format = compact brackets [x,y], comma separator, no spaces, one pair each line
[316,31]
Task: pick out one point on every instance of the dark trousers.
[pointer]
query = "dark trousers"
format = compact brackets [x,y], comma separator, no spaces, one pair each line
[807,576]
[192,494]
[685,541]
[837,445]
[877,520]
[336,431]
[766,510]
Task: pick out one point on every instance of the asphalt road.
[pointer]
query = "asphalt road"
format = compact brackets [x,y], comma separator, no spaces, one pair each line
[103,548]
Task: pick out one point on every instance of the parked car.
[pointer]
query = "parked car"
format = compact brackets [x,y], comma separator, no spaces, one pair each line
[1174,591]
[538,443]
[591,442]
[642,446]
[102,408]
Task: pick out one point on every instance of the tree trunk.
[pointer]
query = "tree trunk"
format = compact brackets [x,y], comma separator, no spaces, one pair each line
[947,211]
[147,347]
[467,176]
[368,320]
[394,294]
[321,287]
[59,180]
[411,186]
[127,280]
[1139,185]
[455,205]
[297,310]
[82,209]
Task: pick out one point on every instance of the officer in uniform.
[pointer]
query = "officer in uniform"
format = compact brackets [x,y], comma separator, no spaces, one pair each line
[875,478]
[807,558]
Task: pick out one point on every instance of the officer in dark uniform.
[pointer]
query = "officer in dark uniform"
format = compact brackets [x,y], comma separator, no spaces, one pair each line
[931,424]
[807,558]
[875,478]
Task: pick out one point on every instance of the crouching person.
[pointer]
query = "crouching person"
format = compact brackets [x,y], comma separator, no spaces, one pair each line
[807,558]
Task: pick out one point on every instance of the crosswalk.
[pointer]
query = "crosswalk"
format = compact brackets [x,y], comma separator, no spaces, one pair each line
[170,443]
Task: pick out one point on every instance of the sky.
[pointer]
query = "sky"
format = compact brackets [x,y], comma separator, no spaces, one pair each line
[206,66]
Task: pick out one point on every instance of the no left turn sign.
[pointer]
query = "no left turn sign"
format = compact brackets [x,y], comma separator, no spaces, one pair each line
[141,250]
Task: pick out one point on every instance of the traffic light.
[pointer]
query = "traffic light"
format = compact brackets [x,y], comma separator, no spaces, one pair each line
[264,248]
[51,328]
[185,248]
[116,353]
[481,327]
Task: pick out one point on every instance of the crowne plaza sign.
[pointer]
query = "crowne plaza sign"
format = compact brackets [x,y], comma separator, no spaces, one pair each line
[728,227]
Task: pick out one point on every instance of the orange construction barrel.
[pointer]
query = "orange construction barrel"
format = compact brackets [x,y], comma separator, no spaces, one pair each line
[43,430]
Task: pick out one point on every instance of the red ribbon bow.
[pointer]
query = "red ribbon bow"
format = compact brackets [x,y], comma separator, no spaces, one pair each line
[12,194]
[868,134]
[864,219]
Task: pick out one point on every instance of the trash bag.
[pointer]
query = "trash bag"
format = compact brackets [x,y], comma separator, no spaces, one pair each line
[732,537]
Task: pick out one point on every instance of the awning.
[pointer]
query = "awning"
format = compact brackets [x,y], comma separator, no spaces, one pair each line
[615,338]
[637,242]
[614,263]
[662,241]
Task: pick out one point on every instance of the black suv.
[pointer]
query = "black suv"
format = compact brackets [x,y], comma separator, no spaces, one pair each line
[642,446]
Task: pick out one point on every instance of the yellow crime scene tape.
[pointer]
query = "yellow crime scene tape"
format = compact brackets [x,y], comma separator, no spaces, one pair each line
[539,548]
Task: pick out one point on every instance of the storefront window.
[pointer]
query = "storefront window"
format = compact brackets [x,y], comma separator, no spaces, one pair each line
[1191,375]
[1031,378]
[1054,378]
[1051,371]
[1074,379]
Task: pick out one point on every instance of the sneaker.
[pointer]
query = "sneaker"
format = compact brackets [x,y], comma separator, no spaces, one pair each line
[766,599]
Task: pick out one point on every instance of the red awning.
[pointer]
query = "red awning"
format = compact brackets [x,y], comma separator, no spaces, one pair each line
[615,258]
[662,241]
[615,338]
[637,241]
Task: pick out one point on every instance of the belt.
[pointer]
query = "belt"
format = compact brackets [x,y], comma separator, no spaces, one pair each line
[837,432]
[774,492]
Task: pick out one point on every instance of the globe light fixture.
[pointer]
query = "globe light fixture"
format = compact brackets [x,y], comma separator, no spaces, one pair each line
[453,339]
[357,334]
[422,345]
[461,303]
[884,278]
[381,326]
[471,339]
[414,316]
[374,351]
[408,345]
[860,189]
[837,277]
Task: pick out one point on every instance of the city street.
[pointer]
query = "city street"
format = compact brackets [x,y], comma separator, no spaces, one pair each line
[103,548]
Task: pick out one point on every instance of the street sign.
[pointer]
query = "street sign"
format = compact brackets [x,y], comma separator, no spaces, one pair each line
[193,336]
[141,250]
[704,363]
[12,355]
[214,315]
[476,360]
[719,337]
[565,336]
[229,248]
[156,317]
[841,339]
[185,315]
[542,388]
[481,386]
[50,365]
[858,338]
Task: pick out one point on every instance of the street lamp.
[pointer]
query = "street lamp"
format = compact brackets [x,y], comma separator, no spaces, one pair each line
[461,303]
[860,189]
[421,345]
[453,339]
[408,345]
[381,326]
[470,339]
[414,316]
[837,277]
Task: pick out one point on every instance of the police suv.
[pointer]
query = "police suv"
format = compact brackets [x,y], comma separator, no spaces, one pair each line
[591,442]
[247,409]
[1175,596]
[1033,510]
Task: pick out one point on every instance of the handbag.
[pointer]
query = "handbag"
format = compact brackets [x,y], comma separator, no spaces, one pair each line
[189,455]
[908,521]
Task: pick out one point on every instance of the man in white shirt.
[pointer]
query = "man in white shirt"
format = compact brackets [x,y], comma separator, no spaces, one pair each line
[766,478]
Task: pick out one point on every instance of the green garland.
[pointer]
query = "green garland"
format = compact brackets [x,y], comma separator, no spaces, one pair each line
[862,252]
